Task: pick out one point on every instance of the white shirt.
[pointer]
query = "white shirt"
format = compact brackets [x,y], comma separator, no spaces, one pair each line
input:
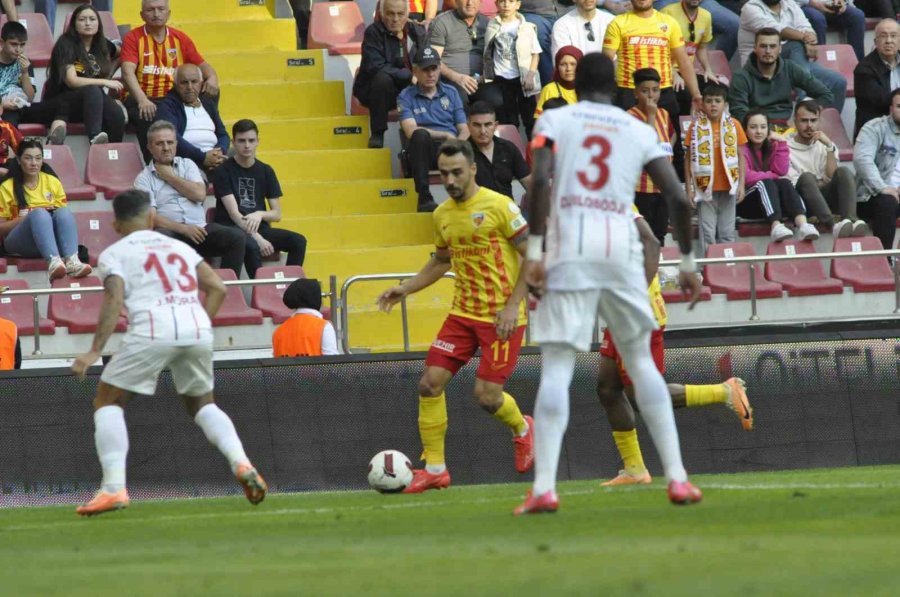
[329,338]
[599,153]
[570,30]
[200,130]
[755,15]
[166,199]
[161,288]
[505,63]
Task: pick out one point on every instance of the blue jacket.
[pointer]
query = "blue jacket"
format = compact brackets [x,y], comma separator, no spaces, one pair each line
[171,109]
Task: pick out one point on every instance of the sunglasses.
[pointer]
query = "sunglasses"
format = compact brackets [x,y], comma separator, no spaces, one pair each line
[590,32]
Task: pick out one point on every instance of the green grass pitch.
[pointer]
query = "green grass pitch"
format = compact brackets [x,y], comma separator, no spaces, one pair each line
[816,532]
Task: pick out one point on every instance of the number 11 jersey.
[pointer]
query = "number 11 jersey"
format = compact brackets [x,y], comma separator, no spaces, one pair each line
[161,290]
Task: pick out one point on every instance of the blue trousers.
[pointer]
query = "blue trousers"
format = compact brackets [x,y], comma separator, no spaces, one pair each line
[44,233]
[852,22]
[833,80]
[724,22]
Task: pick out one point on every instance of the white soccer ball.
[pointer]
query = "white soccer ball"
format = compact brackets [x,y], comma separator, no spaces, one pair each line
[390,471]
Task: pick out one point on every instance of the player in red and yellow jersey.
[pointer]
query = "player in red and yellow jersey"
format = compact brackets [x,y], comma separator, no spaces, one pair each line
[616,392]
[481,235]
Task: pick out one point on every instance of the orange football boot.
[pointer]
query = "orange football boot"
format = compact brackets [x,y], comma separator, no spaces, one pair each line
[738,401]
[254,485]
[626,478]
[683,494]
[524,447]
[423,481]
[104,502]
[546,503]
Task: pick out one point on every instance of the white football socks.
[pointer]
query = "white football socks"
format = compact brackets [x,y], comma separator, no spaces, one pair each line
[111,439]
[551,413]
[220,432]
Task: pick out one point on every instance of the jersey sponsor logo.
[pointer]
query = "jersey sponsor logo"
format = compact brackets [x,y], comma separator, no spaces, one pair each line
[518,223]
[444,345]
[469,252]
[158,70]
[477,219]
[647,40]
[592,203]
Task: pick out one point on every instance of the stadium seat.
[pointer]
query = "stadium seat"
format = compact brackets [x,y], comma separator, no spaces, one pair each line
[719,63]
[112,168]
[62,161]
[110,28]
[734,279]
[864,274]
[357,109]
[25,264]
[803,277]
[833,126]
[752,228]
[40,38]
[267,298]
[3,265]
[511,133]
[95,231]
[839,58]
[337,27]
[78,312]
[20,310]
[234,310]
[671,253]
[488,8]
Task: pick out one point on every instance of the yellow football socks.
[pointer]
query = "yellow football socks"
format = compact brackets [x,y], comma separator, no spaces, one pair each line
[510,415]
[433,428]
[630,451]
[703,395]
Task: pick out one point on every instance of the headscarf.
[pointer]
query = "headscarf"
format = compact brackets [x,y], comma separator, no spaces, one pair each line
[562,53]
[303,294]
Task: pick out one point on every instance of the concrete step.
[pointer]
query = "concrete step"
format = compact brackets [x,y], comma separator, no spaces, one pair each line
[357,232]
[326,165]
[184,11]
[317,199]
[344,263]
[330,132]
[225,35]
[272,101]
[268,65]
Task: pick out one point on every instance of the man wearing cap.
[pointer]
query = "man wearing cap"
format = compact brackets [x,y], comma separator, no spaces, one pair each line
[431,112]
[306,333]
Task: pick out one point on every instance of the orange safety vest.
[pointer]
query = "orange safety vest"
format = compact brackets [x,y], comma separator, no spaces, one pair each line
[9,333]
[299,336]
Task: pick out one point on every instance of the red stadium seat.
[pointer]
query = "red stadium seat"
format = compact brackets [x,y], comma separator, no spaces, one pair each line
[40,38]
[62,161]
[840,58]
[734,279]
[488,8]
[112,168]
[511,133]
[804,277]
[20,310]
[672,253]
[234,310]
[95,231]
[719,63]
[79,312]
[337,27]
[267,298]
[26,264]
[110,28]
[864,274]
[3,267]
[833,126]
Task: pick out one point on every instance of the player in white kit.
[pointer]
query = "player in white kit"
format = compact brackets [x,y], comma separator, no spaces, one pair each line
[594,153]
[157,278]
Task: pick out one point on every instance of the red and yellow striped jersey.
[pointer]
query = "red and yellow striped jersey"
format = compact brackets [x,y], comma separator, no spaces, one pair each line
[643,42]
[480,233]
[665,132]
[156,62]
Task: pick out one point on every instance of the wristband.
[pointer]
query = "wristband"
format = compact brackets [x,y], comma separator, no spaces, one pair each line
[535,250]
[688,264]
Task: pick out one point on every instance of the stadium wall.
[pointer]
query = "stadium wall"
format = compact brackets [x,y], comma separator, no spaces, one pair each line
[821,398]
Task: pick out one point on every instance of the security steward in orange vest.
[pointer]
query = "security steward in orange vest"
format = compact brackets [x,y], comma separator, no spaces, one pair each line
[10,348]
[306,333]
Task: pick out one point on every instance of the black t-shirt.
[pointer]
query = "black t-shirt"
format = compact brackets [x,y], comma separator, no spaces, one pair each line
[250,187]
[507,165]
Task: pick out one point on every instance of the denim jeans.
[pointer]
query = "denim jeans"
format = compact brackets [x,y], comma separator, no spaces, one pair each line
[48,8]
[724,22]
[852,22]
[44,233]
[544,24]
[833,80]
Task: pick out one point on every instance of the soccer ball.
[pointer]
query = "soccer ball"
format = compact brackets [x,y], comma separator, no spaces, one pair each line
[390,471]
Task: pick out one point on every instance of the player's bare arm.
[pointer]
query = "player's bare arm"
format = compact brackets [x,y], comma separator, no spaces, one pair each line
[212,285]
[539,195]
[434,270]
[113,301]
[651,249]
[508,317]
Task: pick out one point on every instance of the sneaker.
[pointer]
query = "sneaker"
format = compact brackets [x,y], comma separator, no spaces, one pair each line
[683,494]
[255,487]
[738,401]
[780,232]
[77,269]
[57,136]
[626,478]
[56,269]
[546,503]
[423,481]
[104,502]
[376,141]
[426,206]
[524,448]
[860,228]
[842,229]
[100,138]
[807,232]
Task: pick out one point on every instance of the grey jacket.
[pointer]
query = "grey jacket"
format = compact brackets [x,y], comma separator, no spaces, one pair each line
[875,156]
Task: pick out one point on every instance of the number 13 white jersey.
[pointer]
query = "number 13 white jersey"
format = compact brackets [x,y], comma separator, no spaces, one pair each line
[161,289]
[599,153]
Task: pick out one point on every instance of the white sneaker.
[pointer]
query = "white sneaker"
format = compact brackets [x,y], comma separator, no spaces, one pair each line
[56,269]
[77,269]
[780,233]
[842,229]
[100,138]
[807,232]
[860,228]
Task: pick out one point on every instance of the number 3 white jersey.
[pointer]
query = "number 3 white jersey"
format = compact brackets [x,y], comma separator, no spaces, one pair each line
[599,153]
[161,289]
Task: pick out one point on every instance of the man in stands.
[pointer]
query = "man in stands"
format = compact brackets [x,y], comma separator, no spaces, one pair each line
[725,22]
[386,67]
[582,27]
[150,55]
[16,87]
[877,75]
[202,137]
[840,15]
[243,187]
[499,161]
[177,192]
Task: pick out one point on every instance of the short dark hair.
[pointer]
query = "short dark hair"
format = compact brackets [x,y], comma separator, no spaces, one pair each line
[766,32]
[716,90]
[131,204]
[452,147]
[643,75]
[554,102]
[14,30]
[595,73]
[482,107]
[245,125]
[894,94]
[808,104]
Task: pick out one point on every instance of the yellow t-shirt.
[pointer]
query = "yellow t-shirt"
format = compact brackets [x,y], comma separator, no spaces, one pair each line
[641,42]
[479,233]
[703,33]
[49,193]
[655,290]
[552,90]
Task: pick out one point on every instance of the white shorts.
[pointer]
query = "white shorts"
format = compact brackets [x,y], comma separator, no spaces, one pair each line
[137,364]
[570,316]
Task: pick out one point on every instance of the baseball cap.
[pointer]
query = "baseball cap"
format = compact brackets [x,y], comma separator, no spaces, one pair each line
[426,56]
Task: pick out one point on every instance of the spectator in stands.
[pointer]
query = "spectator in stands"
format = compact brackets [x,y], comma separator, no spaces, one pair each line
[583,27]
[306,333]
[825,187]
[876,159]
[10,347]
[386,68]
[202,136]
[249,197]
[35,221]
[877,75]
[10,139]
[431,112]
[767,82]
[799,41]
[150,55]
[422,10]
[177,192]
[81,65]
[48,9]
[563,83]
[16,86]
[511,53]
[838,14]
[499,161]
[725,22]
[768,194]
[543,14]
[302,10]
[879,9]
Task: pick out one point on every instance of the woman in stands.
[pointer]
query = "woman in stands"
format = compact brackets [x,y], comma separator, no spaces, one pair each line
[768,194]
[34,219]
[563,83]
[77,80]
